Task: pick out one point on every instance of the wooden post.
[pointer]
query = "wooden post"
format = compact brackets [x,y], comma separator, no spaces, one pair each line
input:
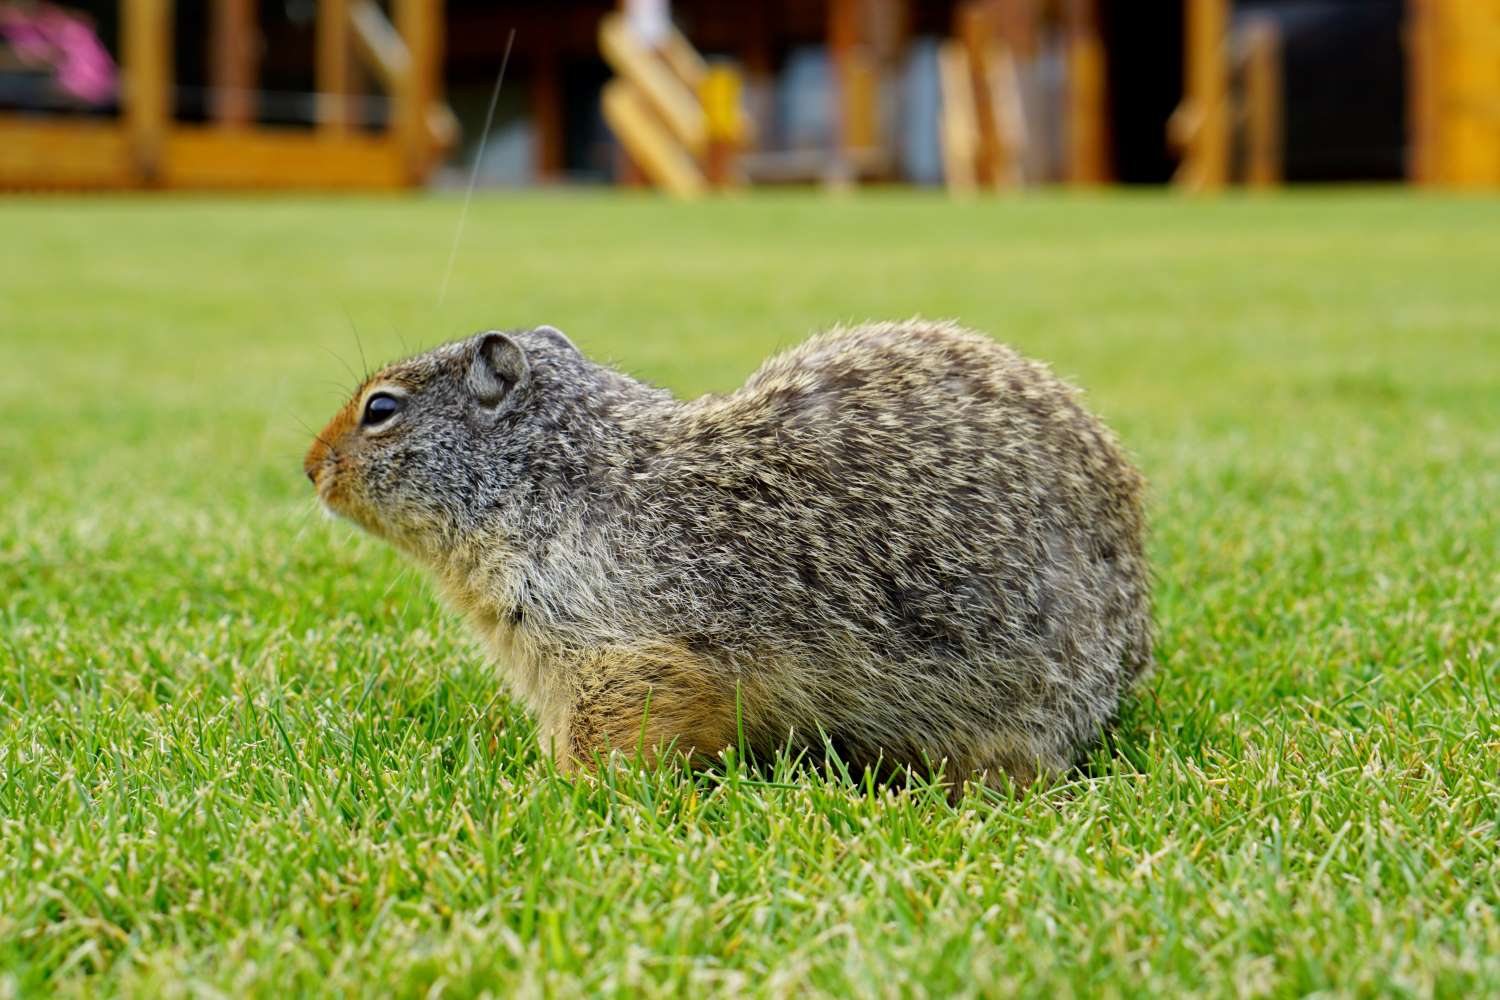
[1263,103]
[648,142]
[147,52]
[720,92]
[1210,44]
[419,23]
[233,54]
[667,89]
[1424,105]
[335,69]
[861,103]
[1201,125]
[976,34]
[1088,112]
[1469,40]
[843,37]
[957,129]
[627,171]
[1020,29]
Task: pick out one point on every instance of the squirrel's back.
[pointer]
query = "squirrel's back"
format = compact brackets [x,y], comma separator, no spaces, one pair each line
[897,531]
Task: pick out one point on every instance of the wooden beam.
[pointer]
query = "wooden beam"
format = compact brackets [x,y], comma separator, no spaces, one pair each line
[420,25]
[1470,131]
[1088,96]
[662,88]
[649,143]
[281,158]
[147,72]
[684,59]
[1009,109]
[335,68]
[233,61]
[627,172]
[976,33]
[1201,125]
[957,128]
[87,154]
[1263,103]
[378,44]
[65,155]
[843,42]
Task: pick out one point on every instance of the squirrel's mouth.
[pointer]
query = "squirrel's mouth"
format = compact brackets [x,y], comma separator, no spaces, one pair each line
[316,469]
[321,466]
[326,486]
[329,498]
[338,501]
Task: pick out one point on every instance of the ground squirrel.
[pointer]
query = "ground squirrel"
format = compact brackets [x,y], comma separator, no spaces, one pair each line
[901,538]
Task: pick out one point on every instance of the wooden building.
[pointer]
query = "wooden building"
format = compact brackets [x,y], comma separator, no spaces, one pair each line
[357,93]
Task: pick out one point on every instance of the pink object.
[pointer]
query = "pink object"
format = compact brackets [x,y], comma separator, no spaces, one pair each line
[50,37]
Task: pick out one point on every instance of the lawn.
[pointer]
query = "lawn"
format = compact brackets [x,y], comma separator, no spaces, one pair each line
[243,751]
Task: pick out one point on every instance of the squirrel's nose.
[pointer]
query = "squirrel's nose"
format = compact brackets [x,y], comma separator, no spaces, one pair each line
[312,462]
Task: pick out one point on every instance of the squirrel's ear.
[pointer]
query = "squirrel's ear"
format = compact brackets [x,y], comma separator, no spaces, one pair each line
[555,336]
[498,370]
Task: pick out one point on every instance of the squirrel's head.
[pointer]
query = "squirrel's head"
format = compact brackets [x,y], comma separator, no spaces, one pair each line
[429,448]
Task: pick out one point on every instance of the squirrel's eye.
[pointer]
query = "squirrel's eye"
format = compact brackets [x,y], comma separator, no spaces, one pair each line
[379,408]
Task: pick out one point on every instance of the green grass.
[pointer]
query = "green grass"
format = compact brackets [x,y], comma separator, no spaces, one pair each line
[243,752]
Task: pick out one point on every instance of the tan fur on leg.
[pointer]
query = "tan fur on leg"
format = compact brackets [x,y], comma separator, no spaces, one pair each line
[650,698]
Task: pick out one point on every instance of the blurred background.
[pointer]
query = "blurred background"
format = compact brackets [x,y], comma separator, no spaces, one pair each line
[689,96]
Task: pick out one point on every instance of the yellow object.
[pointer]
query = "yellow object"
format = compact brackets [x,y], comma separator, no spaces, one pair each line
[1465,74]
[678,119]
[720,94]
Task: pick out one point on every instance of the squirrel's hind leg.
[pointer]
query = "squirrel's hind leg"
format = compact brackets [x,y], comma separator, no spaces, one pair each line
[647,699]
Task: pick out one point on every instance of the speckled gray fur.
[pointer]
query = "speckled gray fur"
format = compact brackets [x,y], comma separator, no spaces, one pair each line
[902,536]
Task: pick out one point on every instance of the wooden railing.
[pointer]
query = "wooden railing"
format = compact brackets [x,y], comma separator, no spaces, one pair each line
[145,147]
